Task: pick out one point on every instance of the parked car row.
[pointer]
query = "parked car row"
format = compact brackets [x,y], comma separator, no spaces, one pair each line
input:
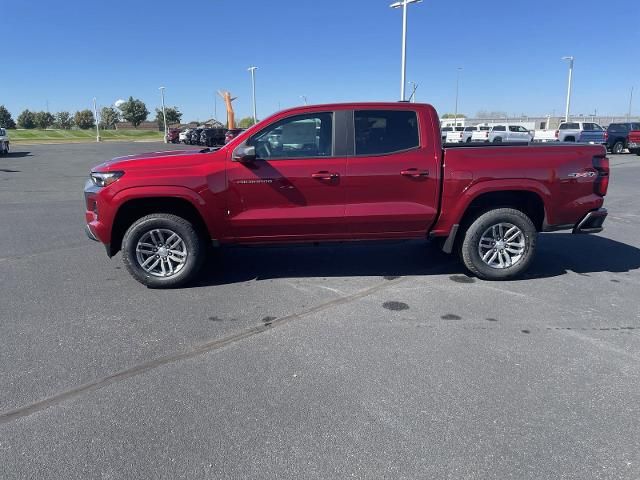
[209,137]
[487,134]
[616,137]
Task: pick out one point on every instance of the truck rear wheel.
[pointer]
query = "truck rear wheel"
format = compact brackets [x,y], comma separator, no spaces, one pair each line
[617,148]
[163,250]
[499,244]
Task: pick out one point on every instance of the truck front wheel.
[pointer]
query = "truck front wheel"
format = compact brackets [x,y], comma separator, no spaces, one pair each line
[499,244]
[163,250]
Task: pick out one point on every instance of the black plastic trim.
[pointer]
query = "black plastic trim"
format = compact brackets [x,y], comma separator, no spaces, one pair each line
[448,244]
[592,222]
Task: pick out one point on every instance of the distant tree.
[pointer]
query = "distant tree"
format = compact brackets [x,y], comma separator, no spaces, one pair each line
[245,122]
[109,117]
[84,119]
[453,115]
[27,120]
[173,116]
[63,121]
[43,120]
[6,121]
[134,111]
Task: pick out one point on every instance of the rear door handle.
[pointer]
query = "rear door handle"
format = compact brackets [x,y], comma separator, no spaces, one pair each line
[325,175]
[414,173]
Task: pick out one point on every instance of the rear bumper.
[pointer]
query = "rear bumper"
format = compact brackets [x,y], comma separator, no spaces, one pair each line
[633,145]
[591,222]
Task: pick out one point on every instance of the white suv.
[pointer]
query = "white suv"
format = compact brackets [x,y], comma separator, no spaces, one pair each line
[4,141]
[503,133]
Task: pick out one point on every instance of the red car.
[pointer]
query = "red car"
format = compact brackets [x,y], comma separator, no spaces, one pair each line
[232,133]
[173,135]
[359,171]
[634,142]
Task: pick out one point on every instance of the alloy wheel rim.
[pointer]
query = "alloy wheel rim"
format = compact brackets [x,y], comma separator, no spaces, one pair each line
[502,245]
[161,252]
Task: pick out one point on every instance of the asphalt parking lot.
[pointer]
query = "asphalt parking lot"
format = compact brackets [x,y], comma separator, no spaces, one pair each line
[363,361]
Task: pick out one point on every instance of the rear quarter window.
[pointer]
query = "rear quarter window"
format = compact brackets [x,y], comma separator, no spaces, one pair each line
[570,126]
[380,132]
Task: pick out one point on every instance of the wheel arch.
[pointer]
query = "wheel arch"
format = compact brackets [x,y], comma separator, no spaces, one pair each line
[133,209]
[527,201]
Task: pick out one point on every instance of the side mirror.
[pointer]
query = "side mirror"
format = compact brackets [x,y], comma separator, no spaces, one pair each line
[244,153]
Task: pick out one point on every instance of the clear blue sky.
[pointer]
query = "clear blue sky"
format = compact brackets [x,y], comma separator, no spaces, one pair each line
[67,52]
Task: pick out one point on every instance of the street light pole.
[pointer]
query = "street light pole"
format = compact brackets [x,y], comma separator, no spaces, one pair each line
[403,68]
[95,114]
[630,102]
[164,115]
[566,112]
[253,89]
[455,114]
[304,99]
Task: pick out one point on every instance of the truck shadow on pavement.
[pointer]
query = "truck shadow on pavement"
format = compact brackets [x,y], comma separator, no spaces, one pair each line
[557,254]
[16,155]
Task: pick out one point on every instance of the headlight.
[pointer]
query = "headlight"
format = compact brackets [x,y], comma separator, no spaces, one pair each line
[102,179]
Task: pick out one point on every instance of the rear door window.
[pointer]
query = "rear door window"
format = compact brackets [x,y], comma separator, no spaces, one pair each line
[380,132]
[617,127]
[500,128]
[570,126]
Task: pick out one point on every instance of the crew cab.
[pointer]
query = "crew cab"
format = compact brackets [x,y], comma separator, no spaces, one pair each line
[582,132]
[634,142]
[344,172]
[4,141]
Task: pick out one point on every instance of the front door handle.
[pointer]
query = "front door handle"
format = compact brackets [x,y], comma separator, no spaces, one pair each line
[414,173]
[325,175]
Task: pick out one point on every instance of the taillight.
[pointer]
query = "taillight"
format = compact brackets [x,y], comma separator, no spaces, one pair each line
[601,185]
[606,136]
[557,133]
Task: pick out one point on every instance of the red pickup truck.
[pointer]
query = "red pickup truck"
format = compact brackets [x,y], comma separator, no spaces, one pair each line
[358,171]
[634,142]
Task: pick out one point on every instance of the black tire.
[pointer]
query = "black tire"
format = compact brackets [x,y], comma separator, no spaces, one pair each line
[194,244]
[617,148]
[497,140]
[469,140]
[570,139]
[470,248]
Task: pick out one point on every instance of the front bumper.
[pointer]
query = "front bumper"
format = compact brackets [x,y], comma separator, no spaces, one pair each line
[633,145]
[90,234]
[591,222]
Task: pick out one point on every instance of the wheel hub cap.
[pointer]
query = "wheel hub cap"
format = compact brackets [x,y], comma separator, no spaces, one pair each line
[502,245]
[161,252]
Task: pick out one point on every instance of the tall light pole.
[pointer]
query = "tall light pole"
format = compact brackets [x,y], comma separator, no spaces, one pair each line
[566,112]
[630,102]
[253,89]
[455,114]
[304,99]
[95,114]
[164,116]
[403,70]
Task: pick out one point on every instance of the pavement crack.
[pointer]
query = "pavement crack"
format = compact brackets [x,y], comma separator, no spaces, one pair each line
[194,351]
